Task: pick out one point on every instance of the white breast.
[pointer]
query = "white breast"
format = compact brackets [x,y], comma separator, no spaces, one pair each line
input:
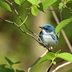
[47,39]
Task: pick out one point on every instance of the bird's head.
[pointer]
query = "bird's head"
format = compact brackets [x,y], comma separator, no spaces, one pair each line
[47,28]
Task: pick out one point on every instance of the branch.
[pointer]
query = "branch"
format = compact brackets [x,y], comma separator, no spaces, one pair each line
[60,66]
[50,67]
[32,34]
[11,4]
[62,31]
[27,33]
[23,21]
[37,60]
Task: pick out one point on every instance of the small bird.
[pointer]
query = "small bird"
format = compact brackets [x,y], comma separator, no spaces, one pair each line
[48,36]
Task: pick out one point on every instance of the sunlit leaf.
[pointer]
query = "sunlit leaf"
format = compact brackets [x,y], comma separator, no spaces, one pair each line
[48,56]
[65,56]
[34,10]
[33,2]
[19,2]
[61,6]
[47,3]
[62,24]
[5,6]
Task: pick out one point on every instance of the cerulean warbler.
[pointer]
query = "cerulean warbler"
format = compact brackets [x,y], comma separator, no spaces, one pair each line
[48,36]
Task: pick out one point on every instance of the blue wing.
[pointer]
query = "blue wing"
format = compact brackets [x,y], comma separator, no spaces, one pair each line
[41,36]
[54,37]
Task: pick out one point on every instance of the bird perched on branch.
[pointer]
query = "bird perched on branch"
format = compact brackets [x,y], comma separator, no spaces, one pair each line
[48,36]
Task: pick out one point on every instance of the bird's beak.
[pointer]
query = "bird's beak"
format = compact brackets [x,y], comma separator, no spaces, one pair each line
[40,27]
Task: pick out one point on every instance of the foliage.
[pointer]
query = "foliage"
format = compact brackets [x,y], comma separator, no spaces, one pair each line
[53,56]
[4,5]
[62,24]
[35,7]
[19,2]
[8,67]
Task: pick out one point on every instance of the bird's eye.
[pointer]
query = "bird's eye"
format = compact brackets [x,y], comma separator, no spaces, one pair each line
[49,30]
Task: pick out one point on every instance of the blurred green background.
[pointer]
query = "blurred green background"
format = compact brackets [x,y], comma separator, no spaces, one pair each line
[20,47]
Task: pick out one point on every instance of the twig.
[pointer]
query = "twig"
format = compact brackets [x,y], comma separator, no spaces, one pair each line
[8,21]
[11,4]
[32,34]
[60,15]
[60,66]
[37,60]
[64,35]
[23,22]
[27,33]
[50,67]
[62,31]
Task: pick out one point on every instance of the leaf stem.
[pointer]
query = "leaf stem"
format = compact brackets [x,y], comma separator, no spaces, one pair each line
[37,60]
[50,67]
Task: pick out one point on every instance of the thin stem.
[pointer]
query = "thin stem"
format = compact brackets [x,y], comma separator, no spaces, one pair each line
[29,69]
[32,34]
[50,67]
[8,21]
[61,15]
[11,4]
[23,22]
[27,33]
[62,31]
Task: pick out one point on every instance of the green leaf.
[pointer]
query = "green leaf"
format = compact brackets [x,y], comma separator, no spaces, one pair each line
[19,2]
[5,5]
[9,61]
[47,3]
[34,10]
[61,6]
[62,24]
[34,2]
[48,56]
[65,56]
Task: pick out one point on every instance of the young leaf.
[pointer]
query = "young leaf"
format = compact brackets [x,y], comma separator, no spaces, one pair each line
[19,2]
[9,61]
[34,10]
[62,24]
[61,6]
[65,56]
[5,5]
[33,2]
[48,56]
[47,3]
